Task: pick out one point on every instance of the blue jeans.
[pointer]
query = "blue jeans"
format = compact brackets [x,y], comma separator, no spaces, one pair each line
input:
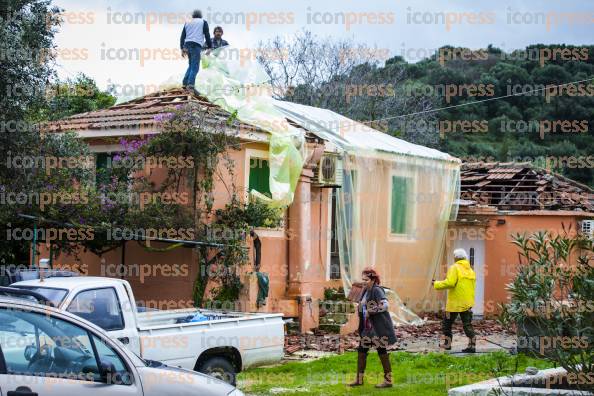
[194,50]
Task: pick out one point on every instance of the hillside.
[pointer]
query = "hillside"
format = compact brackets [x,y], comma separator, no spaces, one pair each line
[552,127]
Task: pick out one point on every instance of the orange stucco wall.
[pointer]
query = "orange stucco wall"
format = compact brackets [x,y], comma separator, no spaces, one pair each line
[501,256]
[165,279]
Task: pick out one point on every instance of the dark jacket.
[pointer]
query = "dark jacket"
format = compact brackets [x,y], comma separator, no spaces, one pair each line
[379,317]
[219,43]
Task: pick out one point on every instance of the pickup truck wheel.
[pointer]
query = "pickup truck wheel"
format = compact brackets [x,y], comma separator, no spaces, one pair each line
[219,368]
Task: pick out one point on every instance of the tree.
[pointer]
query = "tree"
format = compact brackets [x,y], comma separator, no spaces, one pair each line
[72,96]
[419,89]
[27,30]
[345,77]
[29,184]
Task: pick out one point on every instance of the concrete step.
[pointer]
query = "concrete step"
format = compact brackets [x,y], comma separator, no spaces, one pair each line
[334,294]
[334,318]
[293,328]
[344,307]
[330,328]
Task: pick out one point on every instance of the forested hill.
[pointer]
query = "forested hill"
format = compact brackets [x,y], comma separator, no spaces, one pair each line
[552,127]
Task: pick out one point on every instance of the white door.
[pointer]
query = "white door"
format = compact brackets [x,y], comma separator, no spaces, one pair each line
[475,248]
[103,307]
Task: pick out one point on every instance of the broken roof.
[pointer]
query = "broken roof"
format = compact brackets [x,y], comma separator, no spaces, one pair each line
[522,187]
[143,113]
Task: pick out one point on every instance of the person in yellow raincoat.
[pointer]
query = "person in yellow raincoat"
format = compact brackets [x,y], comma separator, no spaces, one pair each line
[460,283]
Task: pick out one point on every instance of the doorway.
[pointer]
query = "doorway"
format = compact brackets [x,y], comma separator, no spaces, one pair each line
[475,248]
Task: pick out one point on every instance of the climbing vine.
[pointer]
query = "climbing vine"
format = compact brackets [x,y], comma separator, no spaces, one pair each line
[189,136]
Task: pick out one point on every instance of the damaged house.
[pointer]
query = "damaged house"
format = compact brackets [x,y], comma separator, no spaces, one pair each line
[499,200]
[352,196]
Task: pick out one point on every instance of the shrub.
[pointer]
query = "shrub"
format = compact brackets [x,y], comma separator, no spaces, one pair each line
[551,299]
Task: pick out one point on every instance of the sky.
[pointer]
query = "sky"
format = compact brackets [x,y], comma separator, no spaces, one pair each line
[132,46]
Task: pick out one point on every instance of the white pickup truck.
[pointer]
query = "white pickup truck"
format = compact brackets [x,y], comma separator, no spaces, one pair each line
[220,344]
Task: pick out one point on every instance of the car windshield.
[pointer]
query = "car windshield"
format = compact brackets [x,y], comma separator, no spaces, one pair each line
[55,296]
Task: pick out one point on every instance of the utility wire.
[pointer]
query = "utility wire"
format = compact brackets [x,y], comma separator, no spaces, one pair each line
[477,102]
[462,104]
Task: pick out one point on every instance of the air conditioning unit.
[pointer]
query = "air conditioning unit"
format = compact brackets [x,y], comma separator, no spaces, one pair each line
[328,173]
[588,228]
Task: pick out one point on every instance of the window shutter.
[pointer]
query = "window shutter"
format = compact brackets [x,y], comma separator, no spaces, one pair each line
[102,173]
[399,210]
[260,176]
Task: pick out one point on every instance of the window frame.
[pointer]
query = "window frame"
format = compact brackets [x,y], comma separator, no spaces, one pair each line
[92,337]
[410,234]
[277,232]
[32,288]
[108,154]
[100,288]
[249,154]
[106,149]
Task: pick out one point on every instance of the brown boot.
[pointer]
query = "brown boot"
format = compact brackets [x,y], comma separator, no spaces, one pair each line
[385,359]
[445,343]
[361,364]
[471,346]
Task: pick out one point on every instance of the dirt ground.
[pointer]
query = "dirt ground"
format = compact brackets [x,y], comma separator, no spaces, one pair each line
[491,336]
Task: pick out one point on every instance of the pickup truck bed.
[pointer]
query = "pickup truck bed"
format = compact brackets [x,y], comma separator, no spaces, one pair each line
[255,336]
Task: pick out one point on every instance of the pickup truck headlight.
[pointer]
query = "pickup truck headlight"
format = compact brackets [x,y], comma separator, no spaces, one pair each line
[236,392]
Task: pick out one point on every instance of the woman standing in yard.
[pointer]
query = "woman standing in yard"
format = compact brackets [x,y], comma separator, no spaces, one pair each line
[375,327]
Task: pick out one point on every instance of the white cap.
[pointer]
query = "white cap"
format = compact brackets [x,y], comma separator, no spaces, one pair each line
[460,254]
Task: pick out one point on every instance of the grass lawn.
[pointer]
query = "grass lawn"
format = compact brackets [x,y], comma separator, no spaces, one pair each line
[413,374]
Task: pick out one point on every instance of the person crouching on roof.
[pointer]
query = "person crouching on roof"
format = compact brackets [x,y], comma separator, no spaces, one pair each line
[460,283]
[217,41]
[375,327]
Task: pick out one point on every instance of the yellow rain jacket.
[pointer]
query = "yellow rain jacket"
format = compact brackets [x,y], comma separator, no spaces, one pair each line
[460,282]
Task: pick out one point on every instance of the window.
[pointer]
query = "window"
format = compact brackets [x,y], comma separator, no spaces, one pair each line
[99,306]
[51,294]
[103,168]
[107,356]
[401,194]
[347,217]
[40,345]
[259,177]
[472,257]
[334,260]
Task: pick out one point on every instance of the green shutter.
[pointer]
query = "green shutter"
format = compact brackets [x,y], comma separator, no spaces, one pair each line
[400,204]
[102,173]
[260,176]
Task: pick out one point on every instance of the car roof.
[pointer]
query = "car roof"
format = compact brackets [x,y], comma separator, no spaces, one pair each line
[69,282]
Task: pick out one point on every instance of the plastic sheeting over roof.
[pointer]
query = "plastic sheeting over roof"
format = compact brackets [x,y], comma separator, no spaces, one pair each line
[350,134]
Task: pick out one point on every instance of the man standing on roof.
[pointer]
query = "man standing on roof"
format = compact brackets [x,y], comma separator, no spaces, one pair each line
[460,282]
[218,41]
[191,42]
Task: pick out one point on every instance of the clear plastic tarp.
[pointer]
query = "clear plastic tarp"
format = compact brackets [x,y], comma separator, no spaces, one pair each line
[242,89]
[393,208]
[396,199]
